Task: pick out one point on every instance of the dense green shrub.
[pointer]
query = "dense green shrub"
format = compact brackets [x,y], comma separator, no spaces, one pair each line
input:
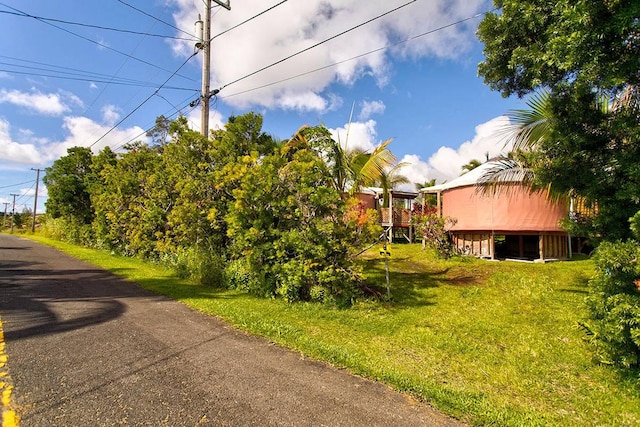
[69,230]
[204,266]
[614,304]
[294,229]
[238,274]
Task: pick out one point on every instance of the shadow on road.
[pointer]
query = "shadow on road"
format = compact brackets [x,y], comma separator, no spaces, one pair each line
[38,299]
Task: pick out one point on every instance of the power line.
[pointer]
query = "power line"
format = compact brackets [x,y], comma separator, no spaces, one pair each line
[15,185]
[315,45]
[247,20]
[71,71]
[93,80]
[178,110]
[388,46]
[143,102]
[113,77]
[102,44]
[100,27]
[157,19]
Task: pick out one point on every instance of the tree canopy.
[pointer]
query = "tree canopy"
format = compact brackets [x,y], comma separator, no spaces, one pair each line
[533,44]
[238,208]
[583,60]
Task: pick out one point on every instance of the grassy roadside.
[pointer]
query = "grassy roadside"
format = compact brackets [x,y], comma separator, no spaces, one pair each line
[489,343]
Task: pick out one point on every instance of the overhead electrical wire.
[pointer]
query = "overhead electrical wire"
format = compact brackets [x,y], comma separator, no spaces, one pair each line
[89,79]
[102,45]
[53,68]
[388,46]
[100,27]
[314,46]
[157,19]
[15,185]
[247,20]
[143,102]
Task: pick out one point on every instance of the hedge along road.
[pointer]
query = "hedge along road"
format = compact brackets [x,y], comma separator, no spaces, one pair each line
[88,348]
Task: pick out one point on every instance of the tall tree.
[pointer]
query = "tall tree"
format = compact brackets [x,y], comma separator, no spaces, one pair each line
[67,185]
[533,44]
[390,179]
[581,52]
[159,133]
[350,169]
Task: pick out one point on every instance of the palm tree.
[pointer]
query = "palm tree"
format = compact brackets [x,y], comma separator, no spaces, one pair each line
[473,163]
[506,170]
[526,129]
[389,179]
[350,169]
[529,127]
[428,199]
[426,184]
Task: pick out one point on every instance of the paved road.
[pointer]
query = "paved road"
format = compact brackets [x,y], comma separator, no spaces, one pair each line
[86,348]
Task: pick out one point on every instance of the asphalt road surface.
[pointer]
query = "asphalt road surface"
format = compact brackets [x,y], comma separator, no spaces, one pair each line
[86,348]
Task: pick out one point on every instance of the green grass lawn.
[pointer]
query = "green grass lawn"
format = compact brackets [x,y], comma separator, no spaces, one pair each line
[491,343]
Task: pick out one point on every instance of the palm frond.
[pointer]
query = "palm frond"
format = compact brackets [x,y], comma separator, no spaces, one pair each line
[628,99]
[369,167]
[504,176]
[530,126]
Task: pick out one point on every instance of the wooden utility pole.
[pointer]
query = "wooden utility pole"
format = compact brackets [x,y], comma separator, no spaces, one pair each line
[205,45]
[206,70]
[35,202]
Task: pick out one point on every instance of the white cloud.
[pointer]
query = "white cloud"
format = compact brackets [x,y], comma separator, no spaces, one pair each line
[216,120]
[80,132]
[447,162]
[110,114]
[296,26]
[14,152]
[361,135]
[51,104]
[368,108]
[416,171]
[84,132]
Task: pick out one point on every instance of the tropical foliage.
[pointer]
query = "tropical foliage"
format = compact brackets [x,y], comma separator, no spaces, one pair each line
[238,209]
[614,304]
[579,59]
[582,134]
[434,230]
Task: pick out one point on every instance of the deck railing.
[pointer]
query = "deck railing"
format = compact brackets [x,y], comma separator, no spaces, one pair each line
[399,216]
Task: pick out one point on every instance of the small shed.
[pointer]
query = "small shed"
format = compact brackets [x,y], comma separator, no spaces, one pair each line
[513,223]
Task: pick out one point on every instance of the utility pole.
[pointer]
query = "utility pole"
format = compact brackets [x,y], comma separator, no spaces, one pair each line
[205,45]
[13,210]
[4,218]
[35,203]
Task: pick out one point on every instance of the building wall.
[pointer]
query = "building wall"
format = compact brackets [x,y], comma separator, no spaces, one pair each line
[514,211]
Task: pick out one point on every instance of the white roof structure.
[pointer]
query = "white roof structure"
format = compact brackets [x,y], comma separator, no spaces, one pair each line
[464,180]
[474,176]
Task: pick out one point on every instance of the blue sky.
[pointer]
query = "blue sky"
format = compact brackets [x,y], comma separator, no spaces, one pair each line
[65,82]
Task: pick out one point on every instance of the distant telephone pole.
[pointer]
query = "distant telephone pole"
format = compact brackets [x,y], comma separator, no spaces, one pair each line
[13,210]
[205,45]
[35,203]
